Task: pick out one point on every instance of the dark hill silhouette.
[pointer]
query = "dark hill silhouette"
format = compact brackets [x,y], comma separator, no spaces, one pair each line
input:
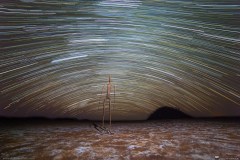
[167,113]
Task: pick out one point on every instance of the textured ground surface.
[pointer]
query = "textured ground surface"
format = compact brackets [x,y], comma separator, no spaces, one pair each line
[168,139]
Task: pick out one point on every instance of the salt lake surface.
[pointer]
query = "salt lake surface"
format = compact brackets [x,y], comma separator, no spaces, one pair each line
[165,139]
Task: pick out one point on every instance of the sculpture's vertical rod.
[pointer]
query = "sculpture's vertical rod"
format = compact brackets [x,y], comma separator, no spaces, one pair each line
[110,116]
[114,95]
[101,95]
[103,113]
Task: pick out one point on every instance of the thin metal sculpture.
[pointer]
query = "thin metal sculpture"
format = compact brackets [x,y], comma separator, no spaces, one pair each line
[107,97]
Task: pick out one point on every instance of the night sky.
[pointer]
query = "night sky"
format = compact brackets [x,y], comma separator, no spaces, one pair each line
[55,56]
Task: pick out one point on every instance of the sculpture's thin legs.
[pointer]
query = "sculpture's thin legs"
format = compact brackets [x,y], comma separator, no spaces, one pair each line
[103,113]
[110,116]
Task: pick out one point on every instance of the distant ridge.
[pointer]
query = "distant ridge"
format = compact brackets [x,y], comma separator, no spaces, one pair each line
[168,113]
[35,120]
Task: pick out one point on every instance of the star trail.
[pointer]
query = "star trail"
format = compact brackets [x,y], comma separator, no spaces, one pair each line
[55,57]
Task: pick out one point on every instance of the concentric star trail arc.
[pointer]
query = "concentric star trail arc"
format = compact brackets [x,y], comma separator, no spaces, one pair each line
[56,55]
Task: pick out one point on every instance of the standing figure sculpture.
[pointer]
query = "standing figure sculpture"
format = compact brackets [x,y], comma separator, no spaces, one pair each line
[107,99]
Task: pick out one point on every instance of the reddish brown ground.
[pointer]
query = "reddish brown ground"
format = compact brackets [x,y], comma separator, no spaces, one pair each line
[135,141]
